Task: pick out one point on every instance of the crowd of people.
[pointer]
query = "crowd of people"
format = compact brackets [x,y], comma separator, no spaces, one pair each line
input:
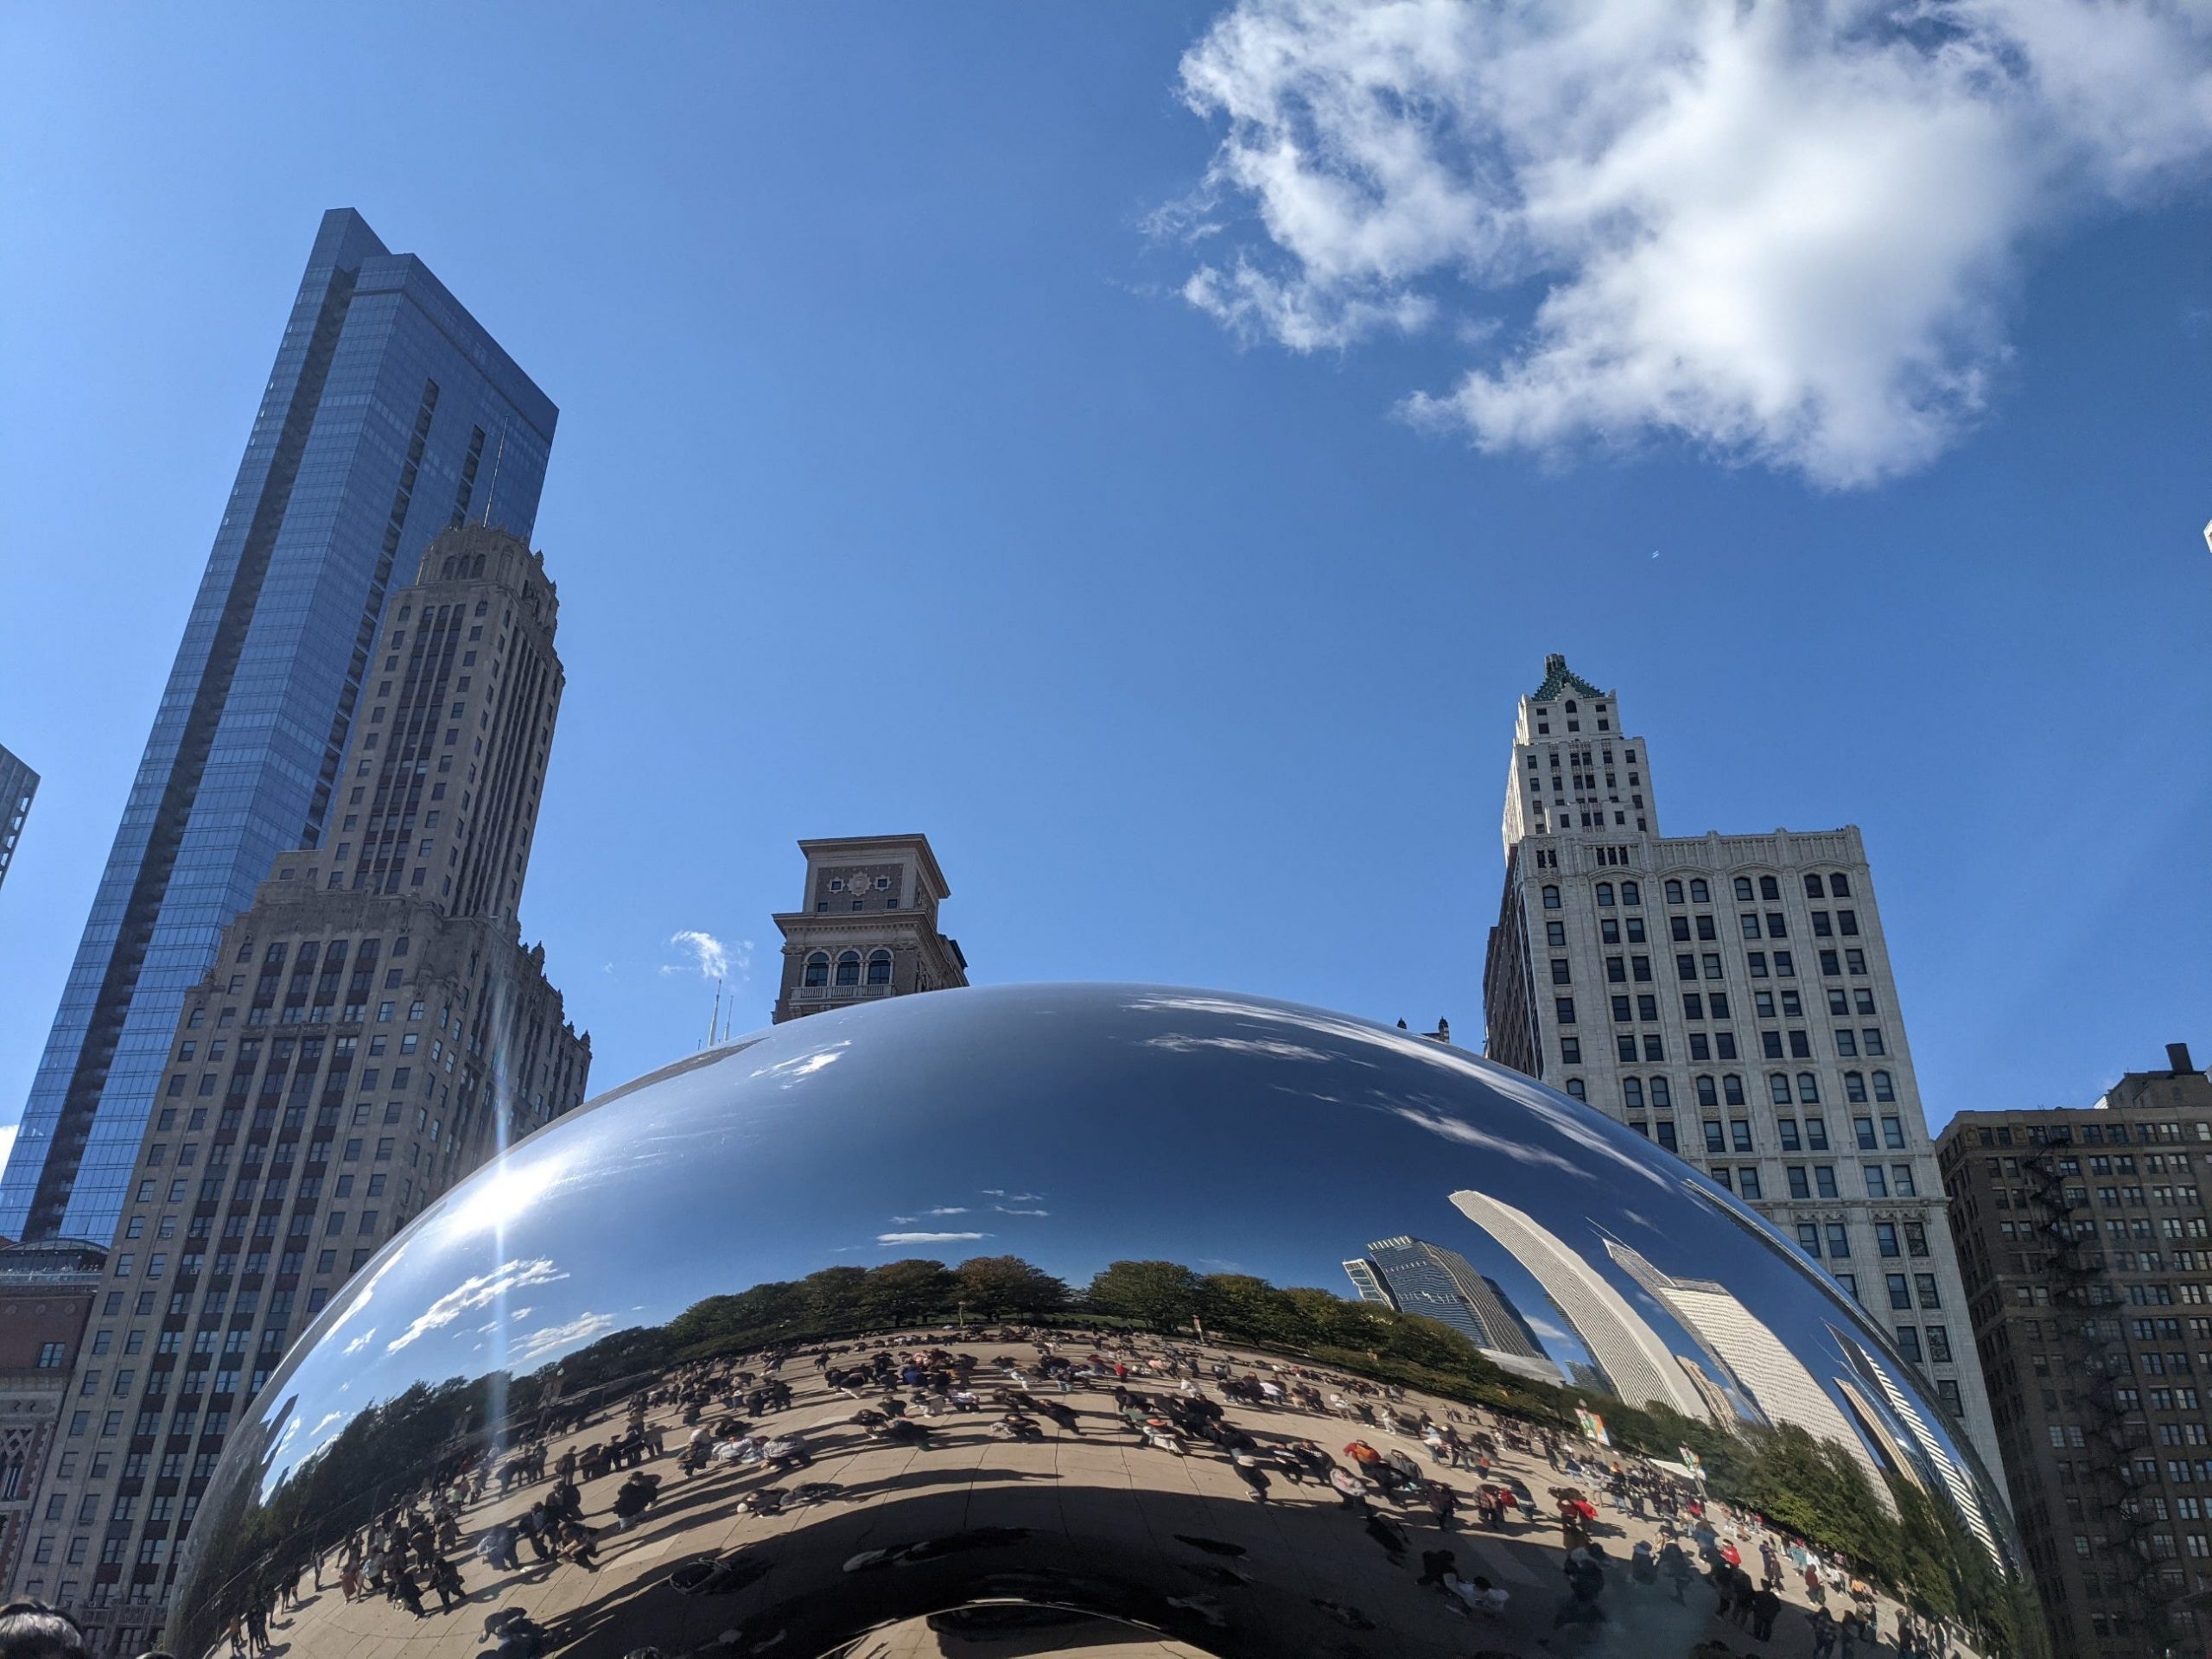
[1408,1470]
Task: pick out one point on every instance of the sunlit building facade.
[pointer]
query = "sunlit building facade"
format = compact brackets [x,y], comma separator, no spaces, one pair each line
[390,415]
[371,1030]
[1731,998]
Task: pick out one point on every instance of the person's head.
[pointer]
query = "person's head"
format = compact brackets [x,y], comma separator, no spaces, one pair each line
[31,1629]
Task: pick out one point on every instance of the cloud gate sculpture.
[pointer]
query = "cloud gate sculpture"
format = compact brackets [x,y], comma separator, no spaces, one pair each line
[1063,1318]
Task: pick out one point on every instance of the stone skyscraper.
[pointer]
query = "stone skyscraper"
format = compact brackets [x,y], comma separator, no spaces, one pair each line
[868,927]
[388,415]
[371,1029]
[1729,996]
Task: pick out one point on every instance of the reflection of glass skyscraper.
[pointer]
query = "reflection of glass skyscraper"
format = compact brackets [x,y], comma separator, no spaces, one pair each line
[390,415]
[1773,1378]
[1416,1276]
[1622,1342]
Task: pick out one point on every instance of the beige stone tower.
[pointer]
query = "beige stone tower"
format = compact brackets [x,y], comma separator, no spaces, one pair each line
[868,925]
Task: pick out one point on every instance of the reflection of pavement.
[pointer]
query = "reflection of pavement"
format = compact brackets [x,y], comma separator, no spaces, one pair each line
[1297,1574]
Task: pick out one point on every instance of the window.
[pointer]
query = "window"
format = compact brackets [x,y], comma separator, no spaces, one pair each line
[1787,1126]
[1674,892]
[1809,1238]
[1893,1133]
[1732,1089]
[1923,1286]
[1562,975]
[848,968]
[1854,1088]
[1812,886]
[1885,1238]
[1632,1093]
[1939,1337]
[1631,893]
[1816,1133]
[878,968]
[1909,1342]
[1563,1009]
[1883,1091]
[1667,1135]
[1715,1136]
[1708,1093]
[1824,1180]
[1739,1134]
[1839,1239]
[1551,898]
[1574,1088]
[1556,934]
[1605,894]
[1744,888]
[1862,1129]
[1777,1087]
[1801,1185]
[1878,1186]
[818,970]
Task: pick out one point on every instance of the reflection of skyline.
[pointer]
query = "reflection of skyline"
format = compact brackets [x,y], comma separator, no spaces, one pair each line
[1773,1380]
[1416,1276]
[1619,1340]
[1934,1453]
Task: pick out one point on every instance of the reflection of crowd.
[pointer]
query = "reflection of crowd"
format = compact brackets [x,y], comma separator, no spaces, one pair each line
[1410,1478]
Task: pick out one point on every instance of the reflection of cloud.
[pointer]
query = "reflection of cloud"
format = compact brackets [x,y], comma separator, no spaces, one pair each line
[947,1210]
[480,1290]
[927,1238]
[368,1290]
[1452,1129]
[1183,1043]
[1006,1210]
[1585,1127]
[801,1066]
[361,1341]
[539,1345]
[1011,1198]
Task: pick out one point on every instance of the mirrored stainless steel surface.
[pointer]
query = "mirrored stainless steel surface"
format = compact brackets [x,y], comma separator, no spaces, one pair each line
[1065,1319]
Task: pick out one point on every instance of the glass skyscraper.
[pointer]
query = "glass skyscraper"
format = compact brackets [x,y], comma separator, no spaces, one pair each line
[390,414]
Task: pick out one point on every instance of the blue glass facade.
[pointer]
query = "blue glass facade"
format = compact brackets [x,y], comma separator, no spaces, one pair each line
[390,415]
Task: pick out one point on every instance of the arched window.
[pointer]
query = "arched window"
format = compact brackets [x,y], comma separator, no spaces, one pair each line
[1768,887]
[1674,892]
[1551,898]
[1883,1089]
[878,968]
[1632,1092]
[1732,1089]
[1839,887]
[1574,1088]
[1699,893]
[1605,893]
[1812,885]
[1808,1089]
[1631,893]
[1777,1087]
[817,969]
[1708,1092]
[1661,1094]
[1744,888]
[848,968]
[1855,1087]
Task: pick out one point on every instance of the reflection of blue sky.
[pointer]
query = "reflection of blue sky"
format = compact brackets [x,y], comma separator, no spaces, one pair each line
[1069,1126]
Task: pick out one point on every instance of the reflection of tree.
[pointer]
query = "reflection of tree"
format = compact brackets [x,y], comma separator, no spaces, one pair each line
[1819,1492]
[1815,1490]
[384,1453]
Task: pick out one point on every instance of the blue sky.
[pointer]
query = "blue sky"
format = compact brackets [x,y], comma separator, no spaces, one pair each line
[900,483]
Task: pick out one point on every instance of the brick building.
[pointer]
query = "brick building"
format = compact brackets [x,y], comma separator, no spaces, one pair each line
[2087,1251]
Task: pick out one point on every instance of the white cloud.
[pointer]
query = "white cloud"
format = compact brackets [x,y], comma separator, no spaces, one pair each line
[1006,1210]
[711,957]
[948,1210]
[481,1290]
[549,1339]
[925,1238]
[1784,232]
